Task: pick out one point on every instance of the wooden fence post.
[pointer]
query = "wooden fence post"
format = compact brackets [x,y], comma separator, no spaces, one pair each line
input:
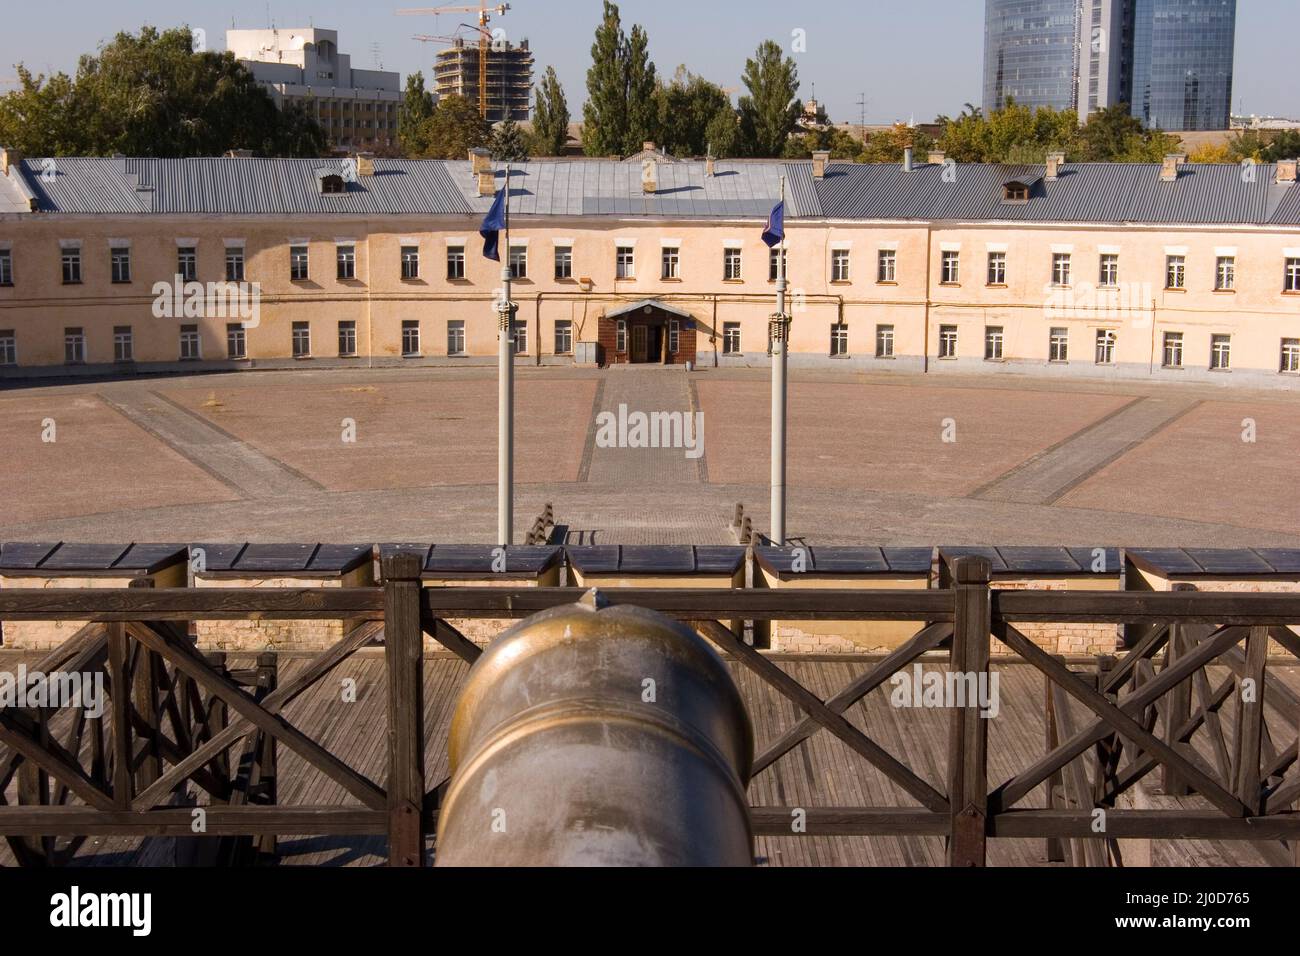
[1055,848]
[146,680]
[1178,703]
[404,661]
[968,740]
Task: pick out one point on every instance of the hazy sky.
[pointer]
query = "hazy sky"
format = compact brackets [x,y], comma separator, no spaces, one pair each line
[917,58]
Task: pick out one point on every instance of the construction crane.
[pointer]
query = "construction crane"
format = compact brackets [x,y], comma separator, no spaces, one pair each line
[485,13]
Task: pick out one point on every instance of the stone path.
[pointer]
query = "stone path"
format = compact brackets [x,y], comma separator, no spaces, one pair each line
[231,461]
[1049,475]
[629,391]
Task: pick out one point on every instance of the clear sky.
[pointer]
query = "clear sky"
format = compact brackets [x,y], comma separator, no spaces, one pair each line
[914,58]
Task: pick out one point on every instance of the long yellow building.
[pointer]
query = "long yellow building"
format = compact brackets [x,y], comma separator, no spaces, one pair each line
[1168,271]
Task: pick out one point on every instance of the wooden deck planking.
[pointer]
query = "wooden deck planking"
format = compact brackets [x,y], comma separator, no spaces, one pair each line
[821,771]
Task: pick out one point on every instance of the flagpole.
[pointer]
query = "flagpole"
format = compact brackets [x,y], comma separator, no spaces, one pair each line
[505,395]
[779,331]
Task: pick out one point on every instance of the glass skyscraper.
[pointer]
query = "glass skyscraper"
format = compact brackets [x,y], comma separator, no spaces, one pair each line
[1031,53]
[1182,63]
[1170,60]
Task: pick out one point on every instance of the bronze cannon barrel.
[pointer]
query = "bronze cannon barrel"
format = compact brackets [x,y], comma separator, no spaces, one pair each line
[592,736]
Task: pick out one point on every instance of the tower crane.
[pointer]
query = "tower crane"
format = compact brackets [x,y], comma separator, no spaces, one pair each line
[485,13]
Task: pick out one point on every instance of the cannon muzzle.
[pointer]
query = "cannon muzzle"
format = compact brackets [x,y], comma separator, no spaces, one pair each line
[590,736]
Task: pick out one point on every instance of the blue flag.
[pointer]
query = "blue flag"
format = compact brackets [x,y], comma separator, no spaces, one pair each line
[492,226]
[775,226]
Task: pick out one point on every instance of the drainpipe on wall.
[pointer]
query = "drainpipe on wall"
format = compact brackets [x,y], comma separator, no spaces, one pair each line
[713,330]
[929,259]
[537,328]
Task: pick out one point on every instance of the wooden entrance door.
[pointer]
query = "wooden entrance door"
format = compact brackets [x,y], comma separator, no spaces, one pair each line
[639,343]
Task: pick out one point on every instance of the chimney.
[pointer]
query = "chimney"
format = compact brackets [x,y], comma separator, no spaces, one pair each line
[365,164]
[1169,168]
[708,165]
[1286,169]
[649,176]
[907,159]
[11,157]
[239,154]
[1054,163]
[648,146]
[480,161]
[487,183]
[937,157]
[820,158]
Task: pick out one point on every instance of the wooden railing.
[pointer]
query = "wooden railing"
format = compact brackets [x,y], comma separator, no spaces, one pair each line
[175,714]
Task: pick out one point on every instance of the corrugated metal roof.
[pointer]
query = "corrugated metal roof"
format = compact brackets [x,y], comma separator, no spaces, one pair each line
[1083,192]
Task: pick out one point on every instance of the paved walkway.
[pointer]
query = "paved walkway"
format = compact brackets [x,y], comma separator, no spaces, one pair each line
[628,391]
[1049,475]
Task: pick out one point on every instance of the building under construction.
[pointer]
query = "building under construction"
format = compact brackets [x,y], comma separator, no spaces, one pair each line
[509,77]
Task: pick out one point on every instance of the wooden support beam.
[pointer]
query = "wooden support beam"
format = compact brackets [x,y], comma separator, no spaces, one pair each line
[404,660]
[968,739]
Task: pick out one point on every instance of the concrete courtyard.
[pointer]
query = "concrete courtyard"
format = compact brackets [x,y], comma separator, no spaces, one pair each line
[409,455]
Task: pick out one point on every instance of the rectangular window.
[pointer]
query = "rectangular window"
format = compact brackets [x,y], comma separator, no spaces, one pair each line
[455,263]
[1060,268]
[187,263]
[1109,274]
[410,338]
[731,260]
[997,268]
[1225,274]
[235,264]
[563,263]
[123,345]
[839,265]
[9,348]
[887,266]
[299,263]
[1292,275]
[839,339]
[236,341]
[672,263]
[347,339]
[1221,352]
[71,266]
[1173,351]
[620,336]
[993,343]
[521,338]
[1290,355]
[301,337]
[6,267]
[947,341]
[410,262]
[625,265]
[191,344]
[519,262]
[74,346]
[674,336]
[1175,272]
[347,263]
[563,337]
[1059,345]
[772,263]
[121,262]
[456,337]
[951,268]
[1105,346]
[730,338]
[884,341]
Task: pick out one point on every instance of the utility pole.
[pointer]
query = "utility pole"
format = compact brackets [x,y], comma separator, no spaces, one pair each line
[506,395]
[779,334]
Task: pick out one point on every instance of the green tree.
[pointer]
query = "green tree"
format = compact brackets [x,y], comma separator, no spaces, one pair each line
[642,84]
[886,146]
[508,143]
[687,107]
[1265,146]
[550,117]
[840,143]
[605,114]
[152,94]
[453,130]
[413,115]
[722,135]
[769,114]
